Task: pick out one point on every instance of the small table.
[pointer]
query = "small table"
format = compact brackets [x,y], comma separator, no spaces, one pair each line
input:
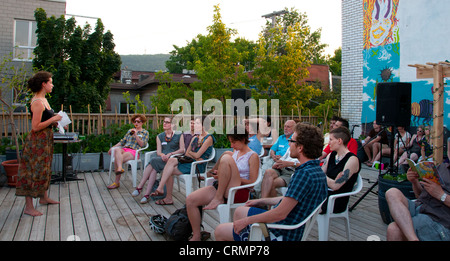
[63,177]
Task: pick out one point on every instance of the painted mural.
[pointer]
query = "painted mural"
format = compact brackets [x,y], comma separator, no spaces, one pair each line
[383,33]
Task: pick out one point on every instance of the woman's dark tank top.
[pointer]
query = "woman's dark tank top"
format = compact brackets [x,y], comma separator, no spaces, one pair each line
[46,114]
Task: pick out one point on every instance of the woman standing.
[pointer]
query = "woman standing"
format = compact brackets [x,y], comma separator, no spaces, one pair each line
[35,167]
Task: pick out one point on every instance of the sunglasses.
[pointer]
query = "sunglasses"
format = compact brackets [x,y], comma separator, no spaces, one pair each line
[137,121]
[293,141]
[168,122]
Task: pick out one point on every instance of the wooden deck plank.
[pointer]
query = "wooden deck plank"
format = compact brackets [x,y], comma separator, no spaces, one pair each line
[92,212]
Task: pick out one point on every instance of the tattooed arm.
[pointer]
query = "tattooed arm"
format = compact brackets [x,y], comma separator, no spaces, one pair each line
[350,168]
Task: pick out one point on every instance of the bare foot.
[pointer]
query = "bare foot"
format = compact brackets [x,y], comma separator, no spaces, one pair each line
[32,212]
[45,201]
[213,204]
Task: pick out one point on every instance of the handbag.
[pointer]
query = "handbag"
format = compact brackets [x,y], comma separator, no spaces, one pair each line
[185,159]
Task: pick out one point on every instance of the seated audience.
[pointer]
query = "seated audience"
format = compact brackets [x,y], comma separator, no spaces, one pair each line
[168,143]
[414,147]
[279,175]
[352,144]
[233,169]
[341,167]
[427,218]
[306,190]
[125,149]
[200,148]
[374,142]
[400,142]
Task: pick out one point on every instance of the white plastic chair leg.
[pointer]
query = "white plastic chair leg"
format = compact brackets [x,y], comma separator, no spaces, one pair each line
[323,226]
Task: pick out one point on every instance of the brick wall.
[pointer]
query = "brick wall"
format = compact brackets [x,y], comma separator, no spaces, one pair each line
[352,62]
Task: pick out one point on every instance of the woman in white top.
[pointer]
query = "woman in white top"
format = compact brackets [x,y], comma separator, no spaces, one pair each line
[233,169]
[401,142]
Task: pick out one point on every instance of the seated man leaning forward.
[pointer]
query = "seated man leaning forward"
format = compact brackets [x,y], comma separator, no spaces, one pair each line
[306,190]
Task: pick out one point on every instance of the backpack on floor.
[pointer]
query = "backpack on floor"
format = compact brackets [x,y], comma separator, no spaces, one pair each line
[178,226]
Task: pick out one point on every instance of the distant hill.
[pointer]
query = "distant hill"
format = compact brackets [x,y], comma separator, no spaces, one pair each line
[145,62]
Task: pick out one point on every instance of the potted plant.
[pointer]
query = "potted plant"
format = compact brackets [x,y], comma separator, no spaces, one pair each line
[13,77]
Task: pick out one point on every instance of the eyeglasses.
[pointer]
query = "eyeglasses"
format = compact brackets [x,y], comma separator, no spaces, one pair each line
[137,121]
[293,141]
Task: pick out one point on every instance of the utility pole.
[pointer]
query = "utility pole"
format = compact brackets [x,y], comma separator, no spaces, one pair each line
[274,15]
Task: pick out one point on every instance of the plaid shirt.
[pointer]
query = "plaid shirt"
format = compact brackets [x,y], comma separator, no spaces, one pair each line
[128,141]
[308,186]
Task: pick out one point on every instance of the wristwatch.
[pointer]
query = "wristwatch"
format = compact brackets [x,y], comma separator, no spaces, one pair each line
[443,197]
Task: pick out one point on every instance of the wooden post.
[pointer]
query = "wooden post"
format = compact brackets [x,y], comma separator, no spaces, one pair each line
[89,120]
[71,117]
[437,135]
[437,71]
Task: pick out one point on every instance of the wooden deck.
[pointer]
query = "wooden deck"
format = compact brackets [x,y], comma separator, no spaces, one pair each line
[91,212]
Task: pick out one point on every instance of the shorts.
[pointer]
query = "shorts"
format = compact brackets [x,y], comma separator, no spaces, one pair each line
[133,152]
[426,228]
[285,174]
[245,233]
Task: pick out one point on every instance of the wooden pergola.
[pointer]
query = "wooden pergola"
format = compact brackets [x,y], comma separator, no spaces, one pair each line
[436,71]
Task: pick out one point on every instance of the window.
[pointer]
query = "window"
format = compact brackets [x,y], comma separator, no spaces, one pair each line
[24,39]
[124,106]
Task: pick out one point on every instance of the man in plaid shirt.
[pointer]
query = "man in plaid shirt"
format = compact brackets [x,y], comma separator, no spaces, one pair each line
[306,190]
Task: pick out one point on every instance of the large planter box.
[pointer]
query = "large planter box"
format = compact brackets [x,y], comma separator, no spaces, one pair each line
[86,162]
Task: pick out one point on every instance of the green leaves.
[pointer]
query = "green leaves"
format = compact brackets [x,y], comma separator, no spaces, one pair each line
[82,61]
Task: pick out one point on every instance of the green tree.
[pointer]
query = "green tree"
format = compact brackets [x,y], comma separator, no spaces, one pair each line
[285,51]
[82,62]
[335,62]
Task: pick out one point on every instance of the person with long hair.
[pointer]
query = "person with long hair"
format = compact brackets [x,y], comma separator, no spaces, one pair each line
[35,167]
[200,148]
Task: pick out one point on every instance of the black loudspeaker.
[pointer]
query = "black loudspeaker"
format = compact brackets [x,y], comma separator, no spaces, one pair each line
[394,104]
[243,94]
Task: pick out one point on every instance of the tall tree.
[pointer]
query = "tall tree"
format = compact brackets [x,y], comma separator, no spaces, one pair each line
[82,62]
[286,50]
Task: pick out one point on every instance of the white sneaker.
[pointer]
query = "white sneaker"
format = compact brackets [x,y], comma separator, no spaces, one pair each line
[136,192]
[144,199]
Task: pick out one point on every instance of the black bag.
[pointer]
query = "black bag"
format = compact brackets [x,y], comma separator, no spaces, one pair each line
[185,159]
[178,226]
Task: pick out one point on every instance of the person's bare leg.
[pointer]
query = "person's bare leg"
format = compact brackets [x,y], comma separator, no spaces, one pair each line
[198,198]
[46,200]
[398,207]
[29,208]
[228,177]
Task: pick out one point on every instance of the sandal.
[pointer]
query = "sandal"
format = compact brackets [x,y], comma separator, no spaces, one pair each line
[162,202]
[136,192]
[120,172]
[113,186]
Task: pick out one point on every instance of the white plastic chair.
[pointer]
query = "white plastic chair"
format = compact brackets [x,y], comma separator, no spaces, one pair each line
[256,231]
[188,178]
[225,209]
[132,163]
[323,220]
